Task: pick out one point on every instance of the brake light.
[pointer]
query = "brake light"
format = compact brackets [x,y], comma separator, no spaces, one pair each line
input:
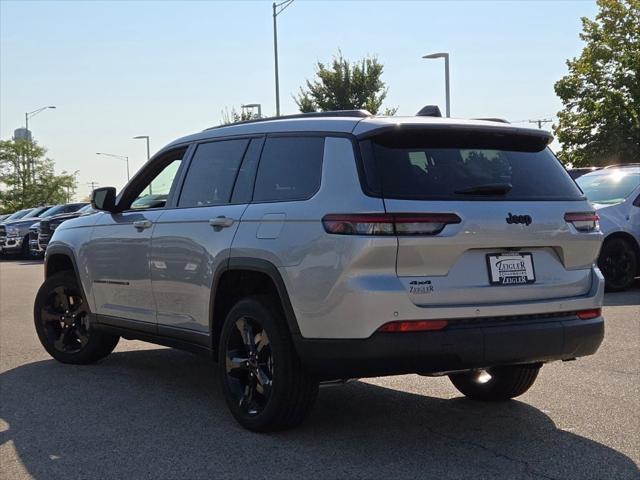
[589,314]
[413,326]
[388,223]
[583,221]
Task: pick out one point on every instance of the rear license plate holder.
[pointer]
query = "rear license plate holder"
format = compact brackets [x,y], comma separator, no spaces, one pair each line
[507,269]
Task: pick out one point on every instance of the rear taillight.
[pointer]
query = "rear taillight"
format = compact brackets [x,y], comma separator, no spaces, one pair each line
[413,326]
[388,223]
[589,314]
[583,221]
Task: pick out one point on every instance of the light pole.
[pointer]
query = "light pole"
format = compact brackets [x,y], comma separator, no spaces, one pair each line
[140,137]
[27,116]
[446,76]
[121,157]
[258,106]
[278,8]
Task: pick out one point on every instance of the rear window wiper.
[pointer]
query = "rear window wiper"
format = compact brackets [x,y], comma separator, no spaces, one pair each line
[486,189]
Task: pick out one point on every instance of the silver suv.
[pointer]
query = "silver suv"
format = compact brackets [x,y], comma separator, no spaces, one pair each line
[321,247]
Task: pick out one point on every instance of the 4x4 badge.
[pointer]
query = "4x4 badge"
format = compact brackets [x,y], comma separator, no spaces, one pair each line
[526,219]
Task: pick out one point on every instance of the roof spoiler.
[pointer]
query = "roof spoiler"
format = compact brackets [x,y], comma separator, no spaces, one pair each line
[429,111]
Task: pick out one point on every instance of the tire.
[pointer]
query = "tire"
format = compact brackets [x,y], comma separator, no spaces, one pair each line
[263,381]
[504,382]
[25,252]
[618,262]
[61,320]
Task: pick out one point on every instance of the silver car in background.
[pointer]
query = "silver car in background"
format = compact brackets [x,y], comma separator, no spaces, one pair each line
[615,194]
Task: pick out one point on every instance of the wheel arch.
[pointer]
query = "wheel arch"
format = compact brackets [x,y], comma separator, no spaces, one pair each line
[59,258]
[241,277]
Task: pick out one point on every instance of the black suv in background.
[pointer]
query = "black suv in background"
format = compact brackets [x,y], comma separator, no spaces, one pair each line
[40,233]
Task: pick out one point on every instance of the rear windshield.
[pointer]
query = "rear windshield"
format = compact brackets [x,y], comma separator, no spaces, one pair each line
[421,169]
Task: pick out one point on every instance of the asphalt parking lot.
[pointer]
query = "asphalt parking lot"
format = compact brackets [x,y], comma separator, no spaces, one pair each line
[152,412]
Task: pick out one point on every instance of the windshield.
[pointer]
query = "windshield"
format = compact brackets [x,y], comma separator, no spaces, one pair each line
[36,212]
[17,215]
[611,187]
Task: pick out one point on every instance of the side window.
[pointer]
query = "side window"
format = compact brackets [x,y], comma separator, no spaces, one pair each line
[290,169]
[212,173]
[243,189]
[156,192]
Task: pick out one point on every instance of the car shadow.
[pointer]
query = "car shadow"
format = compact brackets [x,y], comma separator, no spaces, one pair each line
[631,296]
[160,414]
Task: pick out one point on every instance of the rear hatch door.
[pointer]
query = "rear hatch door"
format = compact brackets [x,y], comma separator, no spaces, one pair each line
[506,207]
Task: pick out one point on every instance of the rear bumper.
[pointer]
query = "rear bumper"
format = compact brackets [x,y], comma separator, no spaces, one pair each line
[469,345]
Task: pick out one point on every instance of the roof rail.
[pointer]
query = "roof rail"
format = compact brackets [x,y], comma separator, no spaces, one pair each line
[331,113]
[501,120]
[622,165]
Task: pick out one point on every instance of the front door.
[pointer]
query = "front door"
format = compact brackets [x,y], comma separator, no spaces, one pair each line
[118,254]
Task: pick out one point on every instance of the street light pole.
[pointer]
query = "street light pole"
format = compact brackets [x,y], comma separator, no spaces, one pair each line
[146,137]
[446,78]
[121,157]
[27,116]
[278,8]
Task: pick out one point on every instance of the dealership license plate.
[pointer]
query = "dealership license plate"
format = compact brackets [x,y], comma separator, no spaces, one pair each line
[511,269]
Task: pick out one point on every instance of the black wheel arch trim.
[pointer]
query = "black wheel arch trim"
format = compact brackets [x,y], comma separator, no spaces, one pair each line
[67,252]
[262,266]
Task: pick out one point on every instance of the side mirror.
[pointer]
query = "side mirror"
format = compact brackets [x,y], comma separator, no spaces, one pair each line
[104,198]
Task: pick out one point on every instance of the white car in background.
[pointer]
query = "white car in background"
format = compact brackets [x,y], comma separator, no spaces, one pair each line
[615,193]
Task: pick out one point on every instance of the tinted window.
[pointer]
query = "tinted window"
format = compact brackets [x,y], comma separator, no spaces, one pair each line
[416,170]
[247,174]
[212,173]
[290,169]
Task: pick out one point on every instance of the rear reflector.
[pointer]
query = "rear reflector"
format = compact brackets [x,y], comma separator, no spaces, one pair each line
[589,314]
[583,221]
[388,223]
[413,326]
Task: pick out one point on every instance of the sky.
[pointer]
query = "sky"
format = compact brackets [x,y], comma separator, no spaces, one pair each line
[118,69]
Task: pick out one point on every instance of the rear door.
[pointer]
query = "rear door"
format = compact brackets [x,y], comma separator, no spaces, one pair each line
[192,239]
[482,218]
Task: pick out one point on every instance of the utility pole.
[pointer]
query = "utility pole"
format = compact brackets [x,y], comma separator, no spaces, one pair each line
[93,185]
[278,8]
[541,121]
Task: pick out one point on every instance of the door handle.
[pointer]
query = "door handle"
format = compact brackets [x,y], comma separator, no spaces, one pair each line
[221,222]
[142,224]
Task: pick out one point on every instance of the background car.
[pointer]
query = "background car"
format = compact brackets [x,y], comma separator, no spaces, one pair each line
[40,233]
[14,234]
[578,172]
[615,193]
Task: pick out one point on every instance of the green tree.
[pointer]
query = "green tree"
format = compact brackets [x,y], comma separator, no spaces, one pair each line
[234,116]
[28,178]
[345,86]
[600,122]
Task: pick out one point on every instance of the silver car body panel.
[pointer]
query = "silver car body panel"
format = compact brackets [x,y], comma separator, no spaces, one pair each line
[340,286]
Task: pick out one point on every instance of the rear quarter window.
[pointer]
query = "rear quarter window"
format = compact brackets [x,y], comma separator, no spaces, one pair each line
[290,169]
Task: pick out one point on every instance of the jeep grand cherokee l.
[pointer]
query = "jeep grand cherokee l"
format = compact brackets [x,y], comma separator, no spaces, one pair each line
[304,249]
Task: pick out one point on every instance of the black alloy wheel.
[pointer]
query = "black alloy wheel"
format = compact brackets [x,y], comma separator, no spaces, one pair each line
[264,383]
[64,320]
[249,365]
[618,262]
